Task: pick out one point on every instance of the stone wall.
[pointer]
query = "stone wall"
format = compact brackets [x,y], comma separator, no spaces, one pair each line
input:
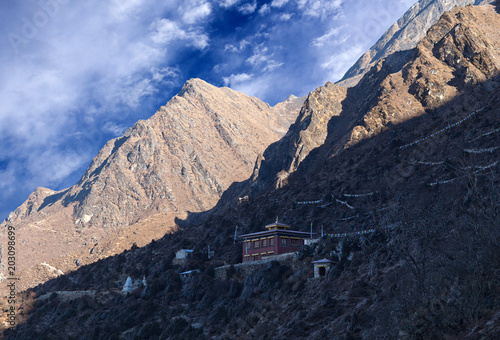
[248,268]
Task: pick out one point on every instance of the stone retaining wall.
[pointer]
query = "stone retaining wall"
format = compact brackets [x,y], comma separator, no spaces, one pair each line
[247,268]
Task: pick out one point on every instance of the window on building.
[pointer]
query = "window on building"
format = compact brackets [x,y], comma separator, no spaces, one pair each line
[256,244]
[284,241]
[295,243]
[249,245]
[271,242]
[264,243]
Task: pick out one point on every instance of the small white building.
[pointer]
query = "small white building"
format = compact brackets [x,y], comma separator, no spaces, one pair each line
[182,255]
[131,285]
[128,286]
[322,267]
[185,275]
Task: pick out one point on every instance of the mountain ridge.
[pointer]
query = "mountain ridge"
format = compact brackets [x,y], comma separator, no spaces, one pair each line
[404,34]
[180,159]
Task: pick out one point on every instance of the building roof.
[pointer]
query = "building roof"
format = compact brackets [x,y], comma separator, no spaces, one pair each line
[277,225]
[278,231]
[323,261]
[186,250]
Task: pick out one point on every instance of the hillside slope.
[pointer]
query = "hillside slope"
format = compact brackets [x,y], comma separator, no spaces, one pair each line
[416,169]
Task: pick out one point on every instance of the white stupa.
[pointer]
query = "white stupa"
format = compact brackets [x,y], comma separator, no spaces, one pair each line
[128,286]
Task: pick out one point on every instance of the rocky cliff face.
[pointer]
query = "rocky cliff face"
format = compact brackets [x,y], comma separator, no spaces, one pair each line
[404,34]
[307,133]
[181,159]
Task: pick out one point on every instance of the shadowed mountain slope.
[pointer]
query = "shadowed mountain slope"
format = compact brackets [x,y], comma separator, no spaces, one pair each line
[458,52]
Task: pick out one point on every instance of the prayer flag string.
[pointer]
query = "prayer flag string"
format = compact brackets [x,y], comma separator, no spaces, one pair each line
[444,181]
[358,195]
[481,150]
[344,203]
[484,134]
[309,202]
[430,163]
[443,129]
[352,233]
[480,168]
[361,232]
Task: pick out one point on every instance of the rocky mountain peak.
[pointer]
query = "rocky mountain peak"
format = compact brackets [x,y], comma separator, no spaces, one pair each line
[181,159]
[195,85]
[458,52]
[404,34]
[34,202]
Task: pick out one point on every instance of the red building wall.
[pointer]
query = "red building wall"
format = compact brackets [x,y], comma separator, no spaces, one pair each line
[288,248]
[255,254]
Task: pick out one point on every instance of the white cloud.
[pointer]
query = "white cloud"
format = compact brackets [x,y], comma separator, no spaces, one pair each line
[261,58]
[122,9]
[195,11]
[331,35]
[227,3]
[138,86]
[231,48]
[251,85]
[236,79]
[242,45]
[272,65]
[286,16]
[279,3]
[115,129]
[8,180]
[324,9]
[165,74]
[248,8]
[339,63]
[52,165]
[134,90]
[165,31]
[264,9]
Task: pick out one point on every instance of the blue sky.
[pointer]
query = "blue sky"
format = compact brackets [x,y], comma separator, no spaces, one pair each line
[74,74]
